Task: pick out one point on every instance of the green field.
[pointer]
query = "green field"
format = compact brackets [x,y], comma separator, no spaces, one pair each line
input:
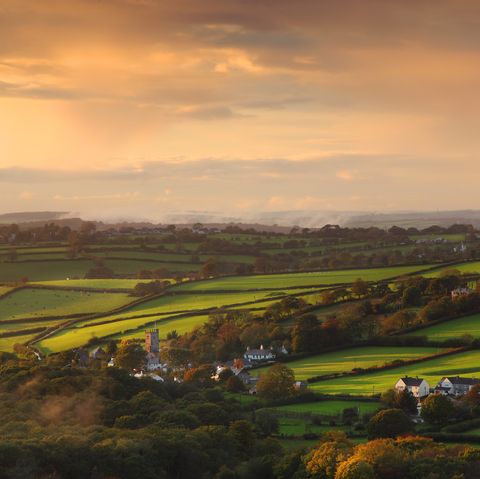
[44,270]
[293,426]
[183,302]
[5,289]
[155,309]
[291,280]
[27,302]
[75,337]
[60,270]
[464,364]
[104,284]
[165,326]
[6,344]
[470,267]
[331,407]
[347,359]
[454,328]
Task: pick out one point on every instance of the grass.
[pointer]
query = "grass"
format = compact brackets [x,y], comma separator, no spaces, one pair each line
[463,364]
[470,267]
[60,270]
[157,308]
[293,426]
[104,284]
[347,359]
[289,280]
[44,270]
[6,344]
[454,328]
[74,337]
[184,302]
[36,323]
[332,408]
[165,326]
[29,302]
[5,289]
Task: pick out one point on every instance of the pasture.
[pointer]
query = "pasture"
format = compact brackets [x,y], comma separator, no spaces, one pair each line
[469,267]
[347,359]
[330,407]
[74,337]
[103,284]
[45,270]
[292,280]
[298,426]
[32,303]
[180,325]
[6,344]
[454,328]
[463,364]
[169,304]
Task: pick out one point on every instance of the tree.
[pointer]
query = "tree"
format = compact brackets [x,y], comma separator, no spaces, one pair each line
[437,409]
[111,348]
[472,399]
[384,456]
[130,356]
[412,296]
[355,469]
[176,357]
[321,463]
[404,400]
[389,423]
[242,432]
[305,334]
[266,422]
[360,288]
[234,384]
[210,268]
[278,382]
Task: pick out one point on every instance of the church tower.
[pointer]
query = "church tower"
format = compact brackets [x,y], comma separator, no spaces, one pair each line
[152,341]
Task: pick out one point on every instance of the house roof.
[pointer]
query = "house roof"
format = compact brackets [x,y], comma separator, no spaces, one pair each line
[459,380]
[412,381]
[259,352]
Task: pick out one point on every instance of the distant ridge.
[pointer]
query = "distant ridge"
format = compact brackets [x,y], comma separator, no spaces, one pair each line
[279,221]
[27,216]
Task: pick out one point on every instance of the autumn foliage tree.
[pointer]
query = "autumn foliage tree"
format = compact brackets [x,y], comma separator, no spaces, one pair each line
[130,356]
[278,382]
[389,423]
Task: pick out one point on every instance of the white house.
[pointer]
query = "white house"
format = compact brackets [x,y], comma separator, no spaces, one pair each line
[456,385]
[261,354]
[459,292]
[418,387]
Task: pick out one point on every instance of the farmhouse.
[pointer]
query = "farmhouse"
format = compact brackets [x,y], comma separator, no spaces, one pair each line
[456,385]
[418,387]
[258,355]
[459,292]
[98,353]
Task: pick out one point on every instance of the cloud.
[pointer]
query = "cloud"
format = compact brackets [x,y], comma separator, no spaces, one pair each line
[26,195]
[345,175]
[305,103]
[119,196]
[208,113]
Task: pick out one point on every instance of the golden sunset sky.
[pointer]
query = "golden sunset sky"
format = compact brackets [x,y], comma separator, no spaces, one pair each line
[138,107]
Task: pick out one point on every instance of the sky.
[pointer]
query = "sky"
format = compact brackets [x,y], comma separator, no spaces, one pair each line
[135,108]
